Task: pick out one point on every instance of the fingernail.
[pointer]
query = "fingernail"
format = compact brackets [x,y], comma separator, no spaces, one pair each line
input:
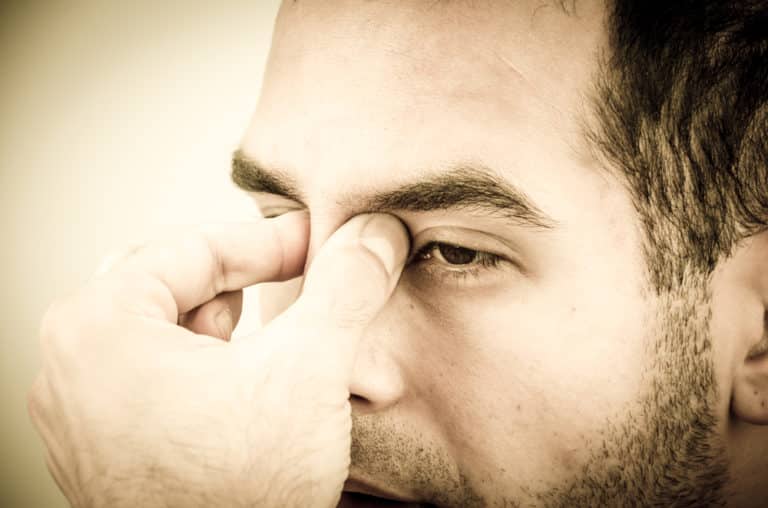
[385,236]
[223,322]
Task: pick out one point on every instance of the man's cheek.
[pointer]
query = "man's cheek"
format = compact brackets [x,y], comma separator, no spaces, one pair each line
[275,297]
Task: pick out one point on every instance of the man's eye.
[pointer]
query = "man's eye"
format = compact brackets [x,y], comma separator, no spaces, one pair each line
[271,213]
[443,259]
[450,254]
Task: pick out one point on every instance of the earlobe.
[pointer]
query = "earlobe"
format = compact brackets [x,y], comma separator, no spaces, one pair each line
[750,390]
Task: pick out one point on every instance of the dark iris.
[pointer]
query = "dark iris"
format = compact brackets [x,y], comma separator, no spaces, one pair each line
[456,255]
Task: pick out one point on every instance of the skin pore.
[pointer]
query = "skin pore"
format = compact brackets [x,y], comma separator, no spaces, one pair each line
[544,371]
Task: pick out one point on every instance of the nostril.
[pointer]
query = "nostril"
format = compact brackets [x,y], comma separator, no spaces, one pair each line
[358,402]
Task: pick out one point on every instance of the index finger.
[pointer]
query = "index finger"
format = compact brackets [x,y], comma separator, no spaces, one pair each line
[192,267]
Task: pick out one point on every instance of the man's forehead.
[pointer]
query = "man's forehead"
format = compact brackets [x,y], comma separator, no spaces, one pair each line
[533,34]
[403,57]
[365,93]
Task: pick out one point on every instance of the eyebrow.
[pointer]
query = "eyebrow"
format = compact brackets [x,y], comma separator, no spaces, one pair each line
[467,187]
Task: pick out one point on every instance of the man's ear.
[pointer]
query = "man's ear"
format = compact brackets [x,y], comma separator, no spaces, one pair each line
[750,387]
[749,398]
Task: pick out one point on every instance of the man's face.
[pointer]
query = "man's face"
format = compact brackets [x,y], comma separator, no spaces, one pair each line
[522,358]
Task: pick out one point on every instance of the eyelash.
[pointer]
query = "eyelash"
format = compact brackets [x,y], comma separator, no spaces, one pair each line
[481,262]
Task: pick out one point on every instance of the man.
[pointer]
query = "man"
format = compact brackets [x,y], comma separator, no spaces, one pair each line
[578,319]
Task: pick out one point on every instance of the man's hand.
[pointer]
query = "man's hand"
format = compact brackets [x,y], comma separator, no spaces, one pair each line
[136,410]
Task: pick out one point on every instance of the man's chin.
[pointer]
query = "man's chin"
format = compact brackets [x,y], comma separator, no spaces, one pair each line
[358,500]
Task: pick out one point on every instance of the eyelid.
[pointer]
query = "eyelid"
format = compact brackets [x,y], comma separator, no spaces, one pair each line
[272,205]
[265,198]
[270,214]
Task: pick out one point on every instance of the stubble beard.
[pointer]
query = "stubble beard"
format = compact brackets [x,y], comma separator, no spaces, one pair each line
[665,451]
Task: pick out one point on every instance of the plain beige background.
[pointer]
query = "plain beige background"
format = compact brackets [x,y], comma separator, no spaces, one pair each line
[116,119]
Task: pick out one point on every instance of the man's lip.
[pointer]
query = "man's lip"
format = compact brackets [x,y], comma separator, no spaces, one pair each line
[358,486]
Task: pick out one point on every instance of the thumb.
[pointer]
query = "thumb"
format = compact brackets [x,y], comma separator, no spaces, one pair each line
[349,281]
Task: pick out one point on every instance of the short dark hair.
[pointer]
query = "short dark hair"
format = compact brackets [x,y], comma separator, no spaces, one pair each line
[682,109]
